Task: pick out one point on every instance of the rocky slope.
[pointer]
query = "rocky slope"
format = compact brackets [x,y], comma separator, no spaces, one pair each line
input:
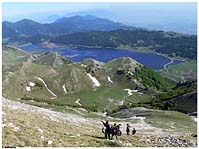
[25,125]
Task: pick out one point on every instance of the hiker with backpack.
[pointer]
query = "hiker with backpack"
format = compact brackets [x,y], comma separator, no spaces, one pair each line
[107,130]
[133,131]
[115,131]
[127,129]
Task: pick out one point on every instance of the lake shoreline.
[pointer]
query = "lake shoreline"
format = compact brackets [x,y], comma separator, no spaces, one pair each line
[78,53]
[133,49]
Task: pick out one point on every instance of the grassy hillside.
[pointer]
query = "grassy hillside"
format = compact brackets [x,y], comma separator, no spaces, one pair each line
[63,104]
[56,78]
[121,83]
[181,72]
[14,85]
[50,58]
[185,103]
[182,98]
[13,56]
[25,125]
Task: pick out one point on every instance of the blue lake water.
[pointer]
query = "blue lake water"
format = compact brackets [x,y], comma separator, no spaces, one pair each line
[151,60]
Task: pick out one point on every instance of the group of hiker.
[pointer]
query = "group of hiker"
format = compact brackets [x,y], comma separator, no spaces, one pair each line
[111,131]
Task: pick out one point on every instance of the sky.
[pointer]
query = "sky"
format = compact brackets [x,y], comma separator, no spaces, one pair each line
[12,9]
[23,8]
[150,15]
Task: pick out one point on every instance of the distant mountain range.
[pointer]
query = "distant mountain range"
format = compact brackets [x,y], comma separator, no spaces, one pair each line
[181,20]
[63,25]
[92,31]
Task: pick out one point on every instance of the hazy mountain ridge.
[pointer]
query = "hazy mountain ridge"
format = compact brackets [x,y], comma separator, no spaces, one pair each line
[63,25]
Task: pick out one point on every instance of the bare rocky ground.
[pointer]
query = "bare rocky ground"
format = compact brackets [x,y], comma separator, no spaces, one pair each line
[27,125]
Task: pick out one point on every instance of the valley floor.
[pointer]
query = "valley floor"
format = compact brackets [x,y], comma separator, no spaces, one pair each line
[27,125]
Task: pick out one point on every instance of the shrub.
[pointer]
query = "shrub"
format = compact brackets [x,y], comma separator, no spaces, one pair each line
[39,84]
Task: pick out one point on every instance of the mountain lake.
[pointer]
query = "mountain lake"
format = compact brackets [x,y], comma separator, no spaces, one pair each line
[151,60]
